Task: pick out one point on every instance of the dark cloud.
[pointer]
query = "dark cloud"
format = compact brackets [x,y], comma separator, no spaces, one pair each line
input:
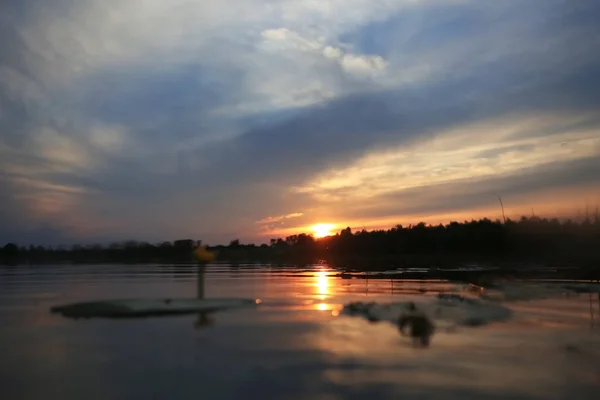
[158,106]
[336,133]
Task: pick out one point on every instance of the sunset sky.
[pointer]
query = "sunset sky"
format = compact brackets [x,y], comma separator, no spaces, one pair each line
[159,120]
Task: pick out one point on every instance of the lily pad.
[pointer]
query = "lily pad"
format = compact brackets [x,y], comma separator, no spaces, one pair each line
[444,310]
[128,308]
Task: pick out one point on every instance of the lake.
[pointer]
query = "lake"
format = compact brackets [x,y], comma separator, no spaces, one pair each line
[294,345]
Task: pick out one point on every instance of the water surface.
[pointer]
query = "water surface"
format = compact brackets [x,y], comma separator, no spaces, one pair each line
[293,346]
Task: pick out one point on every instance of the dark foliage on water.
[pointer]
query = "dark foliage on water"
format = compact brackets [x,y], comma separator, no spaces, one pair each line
[528,239]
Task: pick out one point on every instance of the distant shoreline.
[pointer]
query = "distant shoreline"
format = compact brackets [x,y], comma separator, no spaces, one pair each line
[510,246]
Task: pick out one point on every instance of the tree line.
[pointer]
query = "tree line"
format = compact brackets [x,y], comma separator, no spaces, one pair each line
[527,239]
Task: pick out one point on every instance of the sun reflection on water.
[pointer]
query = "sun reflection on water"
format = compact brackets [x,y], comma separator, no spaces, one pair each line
[322,283]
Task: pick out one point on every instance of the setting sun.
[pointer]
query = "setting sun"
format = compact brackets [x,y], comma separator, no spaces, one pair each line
[322,230]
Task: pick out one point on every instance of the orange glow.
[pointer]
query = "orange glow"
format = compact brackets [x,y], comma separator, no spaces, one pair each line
[322,283]
[322,230]
[334,308]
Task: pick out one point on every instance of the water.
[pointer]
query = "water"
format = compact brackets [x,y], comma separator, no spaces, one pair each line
[293,346]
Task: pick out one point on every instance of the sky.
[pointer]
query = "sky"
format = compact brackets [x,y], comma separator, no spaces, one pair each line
[160,120]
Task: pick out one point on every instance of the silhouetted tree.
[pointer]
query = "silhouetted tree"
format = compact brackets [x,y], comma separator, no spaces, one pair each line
[529,238]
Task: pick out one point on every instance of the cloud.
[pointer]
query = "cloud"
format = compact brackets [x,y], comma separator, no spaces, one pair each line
[506,149]
[271,220]
[552,187]
[196,119]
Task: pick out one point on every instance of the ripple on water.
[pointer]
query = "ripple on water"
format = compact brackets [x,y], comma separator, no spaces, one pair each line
[292,346]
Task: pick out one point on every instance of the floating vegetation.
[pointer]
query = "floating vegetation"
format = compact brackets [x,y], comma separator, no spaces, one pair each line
[149,307]
[421,318]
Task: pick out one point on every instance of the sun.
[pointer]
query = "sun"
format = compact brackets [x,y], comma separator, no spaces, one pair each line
[322,230]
